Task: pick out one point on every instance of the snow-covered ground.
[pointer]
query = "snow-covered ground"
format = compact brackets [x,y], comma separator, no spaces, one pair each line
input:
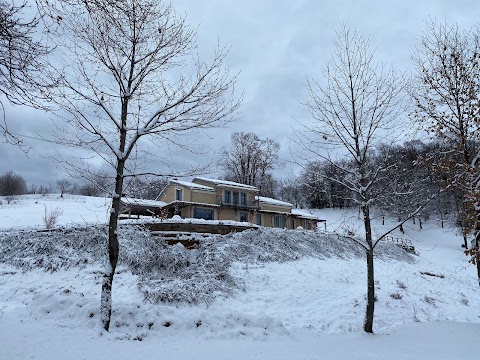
[27,211]
[308,308]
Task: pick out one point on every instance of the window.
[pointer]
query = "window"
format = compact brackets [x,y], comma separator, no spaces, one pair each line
[279,221]
[243,216]
[258,219]
[235,198]
[178,194]
[227,197]
[203,213]
[243,199]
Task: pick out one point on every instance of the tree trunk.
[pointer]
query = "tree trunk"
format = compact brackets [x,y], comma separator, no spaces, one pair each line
[113,250]
[465,242]
[478,266]
[368,324]
[113,246]
[477,255]
[476,250]
[369,313]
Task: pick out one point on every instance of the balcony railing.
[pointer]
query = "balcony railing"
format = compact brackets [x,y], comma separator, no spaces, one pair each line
[251,205]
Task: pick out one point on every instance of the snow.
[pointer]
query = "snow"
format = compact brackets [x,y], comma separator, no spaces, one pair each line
[192,185]
[178,219]
[439,341]
[227,183]
[143,202]
[271,201]
[26,212]
[304,307]
[305,214]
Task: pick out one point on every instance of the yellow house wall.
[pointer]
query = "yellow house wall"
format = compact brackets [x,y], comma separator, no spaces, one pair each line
[267,220]
[203,197]
[169,194]
[227,214]
[186,212]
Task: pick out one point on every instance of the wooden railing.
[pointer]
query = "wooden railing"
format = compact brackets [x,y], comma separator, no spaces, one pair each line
[405,244]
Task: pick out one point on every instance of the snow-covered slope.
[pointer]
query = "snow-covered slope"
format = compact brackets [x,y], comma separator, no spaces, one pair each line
[293,297]
[27,211]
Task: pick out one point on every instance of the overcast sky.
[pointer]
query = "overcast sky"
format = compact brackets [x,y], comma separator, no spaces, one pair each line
[276,45]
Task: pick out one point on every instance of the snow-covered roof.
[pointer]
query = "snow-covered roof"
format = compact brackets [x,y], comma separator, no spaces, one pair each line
[305,214]
[143,202]
[227,183]
[192,185]
[270,201]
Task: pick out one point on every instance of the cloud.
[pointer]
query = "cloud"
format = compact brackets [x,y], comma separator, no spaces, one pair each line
[275,45]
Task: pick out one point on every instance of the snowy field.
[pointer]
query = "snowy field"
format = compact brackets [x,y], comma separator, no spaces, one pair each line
[27,211]
[288,295]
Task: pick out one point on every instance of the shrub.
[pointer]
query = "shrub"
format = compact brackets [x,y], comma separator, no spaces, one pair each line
[429,300]
[396,296]
[50,218]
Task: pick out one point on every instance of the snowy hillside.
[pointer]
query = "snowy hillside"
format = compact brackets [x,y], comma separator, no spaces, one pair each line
[26,211]
[259,294]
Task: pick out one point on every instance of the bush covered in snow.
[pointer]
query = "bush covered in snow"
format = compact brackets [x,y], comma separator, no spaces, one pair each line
[53,250]
[279,245]
[173,273]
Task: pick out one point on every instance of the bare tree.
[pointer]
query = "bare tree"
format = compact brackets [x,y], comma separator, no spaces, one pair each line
[250,160]
[22,62]
[45,189]
[408,175]
[90,190]
[355,107]
[145,187]
[63,185]
[447,103]
[293,191]
[320,190]
[129,86]
[33,189]
[12,184]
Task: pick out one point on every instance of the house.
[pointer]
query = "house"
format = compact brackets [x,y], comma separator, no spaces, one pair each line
[213,199]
